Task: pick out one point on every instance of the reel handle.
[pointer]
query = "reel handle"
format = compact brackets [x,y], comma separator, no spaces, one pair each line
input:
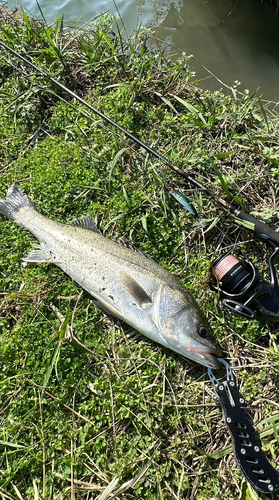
[238,308]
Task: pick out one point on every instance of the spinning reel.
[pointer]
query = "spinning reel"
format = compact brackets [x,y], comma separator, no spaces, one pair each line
[240,285]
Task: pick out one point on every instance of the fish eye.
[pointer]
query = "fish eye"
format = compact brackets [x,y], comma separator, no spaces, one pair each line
[203,331]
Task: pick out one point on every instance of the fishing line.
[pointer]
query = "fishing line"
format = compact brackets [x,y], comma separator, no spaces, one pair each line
[163,42]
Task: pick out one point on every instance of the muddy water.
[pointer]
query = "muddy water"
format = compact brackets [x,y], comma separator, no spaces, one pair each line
[234,39]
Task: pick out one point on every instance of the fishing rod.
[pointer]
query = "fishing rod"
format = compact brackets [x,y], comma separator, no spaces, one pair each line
[238,281]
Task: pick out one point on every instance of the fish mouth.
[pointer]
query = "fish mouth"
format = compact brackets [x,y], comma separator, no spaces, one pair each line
[208,354]
[213,362]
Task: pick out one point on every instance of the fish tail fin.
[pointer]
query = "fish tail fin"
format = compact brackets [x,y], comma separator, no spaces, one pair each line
[15,200]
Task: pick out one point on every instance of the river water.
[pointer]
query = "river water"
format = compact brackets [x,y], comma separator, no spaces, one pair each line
[234,39]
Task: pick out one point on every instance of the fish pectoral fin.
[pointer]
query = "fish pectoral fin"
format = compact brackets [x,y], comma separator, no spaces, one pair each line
[87,223]
[39,255]
[133,288]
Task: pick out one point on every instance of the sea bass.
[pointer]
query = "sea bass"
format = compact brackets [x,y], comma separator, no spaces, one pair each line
[124,283]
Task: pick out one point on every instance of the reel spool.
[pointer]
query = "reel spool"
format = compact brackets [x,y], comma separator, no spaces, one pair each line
[240,286]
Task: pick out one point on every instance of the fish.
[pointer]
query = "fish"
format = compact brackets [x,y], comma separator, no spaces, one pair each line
[125,283]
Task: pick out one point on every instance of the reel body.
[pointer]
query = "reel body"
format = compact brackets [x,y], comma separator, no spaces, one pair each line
[240,285]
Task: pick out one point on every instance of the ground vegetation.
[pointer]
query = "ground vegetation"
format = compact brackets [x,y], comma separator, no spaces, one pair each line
[89,408]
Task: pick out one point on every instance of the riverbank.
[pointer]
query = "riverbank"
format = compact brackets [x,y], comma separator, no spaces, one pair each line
[88,406]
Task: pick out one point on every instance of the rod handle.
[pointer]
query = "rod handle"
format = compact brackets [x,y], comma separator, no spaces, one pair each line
[259,227]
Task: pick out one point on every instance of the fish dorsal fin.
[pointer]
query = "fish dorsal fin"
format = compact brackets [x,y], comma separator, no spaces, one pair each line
[138,293]
[87,223]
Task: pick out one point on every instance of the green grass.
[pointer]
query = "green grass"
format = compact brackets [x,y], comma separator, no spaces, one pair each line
[108,408]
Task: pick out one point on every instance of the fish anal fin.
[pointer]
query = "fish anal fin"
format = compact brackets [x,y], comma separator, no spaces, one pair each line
[87,223]
[142,299]
[39,255]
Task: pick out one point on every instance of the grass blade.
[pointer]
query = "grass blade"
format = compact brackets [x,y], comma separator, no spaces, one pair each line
[114,219]
[264,115]
[12,445]
[56,352]
[222,180]
[166,101]
[219,156]
[114,162]
[241,202]
[245,223]
[191,108]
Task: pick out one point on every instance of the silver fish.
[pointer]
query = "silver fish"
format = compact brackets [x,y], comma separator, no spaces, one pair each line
[124,283]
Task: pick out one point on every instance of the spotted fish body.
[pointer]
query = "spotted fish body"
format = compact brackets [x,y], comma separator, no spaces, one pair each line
[123,282]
